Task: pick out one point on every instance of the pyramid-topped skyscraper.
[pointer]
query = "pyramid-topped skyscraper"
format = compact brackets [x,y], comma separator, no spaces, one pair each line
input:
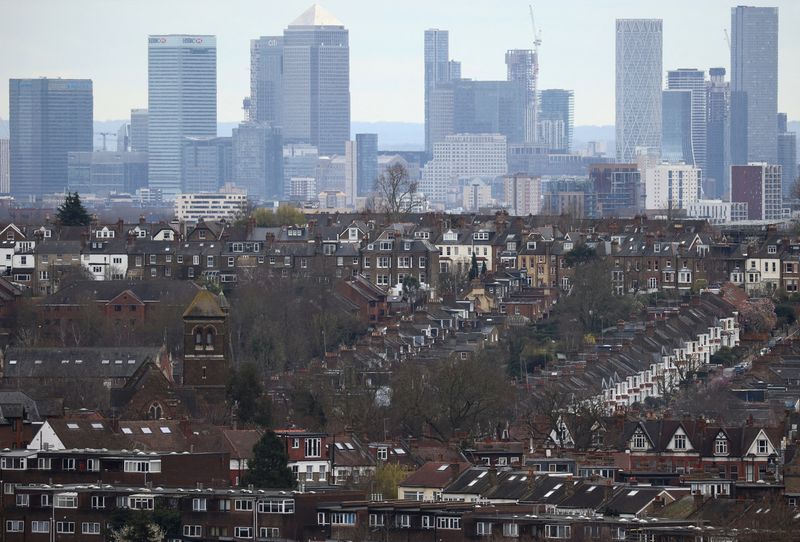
[316,82]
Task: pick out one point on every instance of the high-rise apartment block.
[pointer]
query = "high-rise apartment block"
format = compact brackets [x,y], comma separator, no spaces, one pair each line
[182,102]
[638,86]
[617,188]
[693,80]
[670,187]
[522,194]
[556,119]
[316,82]
[754,79]
[299,160]
[48,118]
[759,186]
[522,67]
[366,163]
[463,156]
[258,160]
[717,138]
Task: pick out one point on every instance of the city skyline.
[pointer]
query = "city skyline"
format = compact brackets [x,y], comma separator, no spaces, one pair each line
[382,71]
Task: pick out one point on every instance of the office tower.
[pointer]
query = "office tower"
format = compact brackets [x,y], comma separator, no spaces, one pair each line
[638,86]
[787,155]
[556,116]
[717,141]
[759,186]
[316,82]
[522,67]
[572,196]
[462,156]
[522,194]
[48,118]
[676,126]
[5,175]
[694,81]
[754,73]
[617,188]
[258,160]
[207,164]
[439,69]
[124,138]
[138,131]
[266,79]
[672,186]
[299,160]
[182,102]
[103,173]
[489,107]
[367,163]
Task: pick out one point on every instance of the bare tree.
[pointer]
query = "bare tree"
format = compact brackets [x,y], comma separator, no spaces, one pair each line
[397,192]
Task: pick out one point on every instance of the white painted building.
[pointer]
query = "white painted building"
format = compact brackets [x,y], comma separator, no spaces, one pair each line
[665,375]
[672,186]
[210,207]
[462,156]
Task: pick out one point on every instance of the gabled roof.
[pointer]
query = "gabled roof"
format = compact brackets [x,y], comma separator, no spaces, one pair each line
[434,474]
[316,16]
[83,363]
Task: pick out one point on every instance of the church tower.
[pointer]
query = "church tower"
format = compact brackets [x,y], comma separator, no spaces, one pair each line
[205,342]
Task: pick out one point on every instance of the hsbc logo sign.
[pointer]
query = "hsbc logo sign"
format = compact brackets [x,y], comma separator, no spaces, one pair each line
[192,40]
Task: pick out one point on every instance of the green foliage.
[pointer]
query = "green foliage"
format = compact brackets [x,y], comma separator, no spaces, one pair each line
[285,215]
[473,268]
[483,269]
[244,387]
[269,467]
[581,254]
[386,479]
[785,313]
[72,212]
[309,408]
[145,526]
[727,356]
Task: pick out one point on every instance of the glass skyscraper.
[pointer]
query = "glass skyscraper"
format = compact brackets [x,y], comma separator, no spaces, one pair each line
[439,69]
[558,106]
[48,119]
[638,86]
[258,159]
[316,82]
[366,163]
[754,74]
[522,68]
[676,126]
[266,79]
[693,80]
[717,141]
[182,102]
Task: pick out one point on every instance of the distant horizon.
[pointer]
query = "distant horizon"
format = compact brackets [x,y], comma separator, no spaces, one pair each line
[386,75]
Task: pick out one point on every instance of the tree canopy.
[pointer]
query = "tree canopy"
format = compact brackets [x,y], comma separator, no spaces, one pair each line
[72,212]
[268,468]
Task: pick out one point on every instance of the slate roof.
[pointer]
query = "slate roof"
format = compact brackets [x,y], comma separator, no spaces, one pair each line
[435,474]
[89,363]
[162,291]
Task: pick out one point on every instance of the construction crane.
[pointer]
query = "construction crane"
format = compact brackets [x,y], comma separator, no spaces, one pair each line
[104,134]
[537,34]
[727,38]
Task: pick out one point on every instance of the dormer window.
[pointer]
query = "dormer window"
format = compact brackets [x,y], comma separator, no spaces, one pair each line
[657,247]
[772,249]
[353,233]
[201,234]
[721,445]
[480,236]
[680,442]
[531,245]
[450,236]
[639,441]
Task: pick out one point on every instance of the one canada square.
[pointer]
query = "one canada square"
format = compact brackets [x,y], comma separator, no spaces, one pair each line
[638,87]
[182,102]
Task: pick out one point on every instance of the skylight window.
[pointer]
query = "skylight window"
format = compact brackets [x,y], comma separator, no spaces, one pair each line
[97,425]
[633,492]
[72,426]
[146,430]
[127,430]
[104,362]
[165,430]
[441,468]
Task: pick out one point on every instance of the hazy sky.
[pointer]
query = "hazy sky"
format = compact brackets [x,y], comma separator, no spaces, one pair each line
[106,40]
